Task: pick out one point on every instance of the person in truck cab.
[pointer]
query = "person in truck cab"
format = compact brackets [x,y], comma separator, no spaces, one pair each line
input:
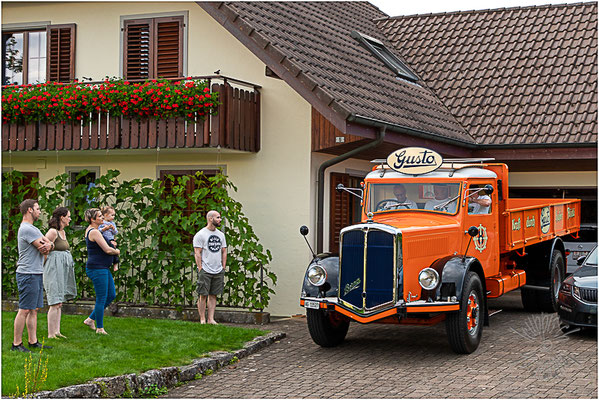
[479,203]
[400,193]
[440,202]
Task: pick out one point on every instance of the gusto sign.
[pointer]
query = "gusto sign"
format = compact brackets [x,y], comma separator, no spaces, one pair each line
[414,160]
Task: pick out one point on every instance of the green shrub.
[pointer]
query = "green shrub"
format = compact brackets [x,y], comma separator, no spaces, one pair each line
[157,266]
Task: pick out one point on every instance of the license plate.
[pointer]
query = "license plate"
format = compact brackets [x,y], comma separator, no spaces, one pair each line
[311,304]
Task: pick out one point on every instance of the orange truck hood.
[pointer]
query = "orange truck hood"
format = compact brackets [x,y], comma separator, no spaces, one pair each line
[414,222]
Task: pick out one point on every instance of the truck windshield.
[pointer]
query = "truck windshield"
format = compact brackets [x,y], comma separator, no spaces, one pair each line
[440,197]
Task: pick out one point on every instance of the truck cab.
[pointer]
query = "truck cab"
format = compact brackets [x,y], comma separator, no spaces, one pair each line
[436,239]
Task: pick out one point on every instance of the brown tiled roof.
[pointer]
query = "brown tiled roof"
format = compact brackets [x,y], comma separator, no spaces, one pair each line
[310,43]
[510,76]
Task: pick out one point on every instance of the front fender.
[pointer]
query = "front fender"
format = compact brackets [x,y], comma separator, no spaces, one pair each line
[453,271]
[330,263]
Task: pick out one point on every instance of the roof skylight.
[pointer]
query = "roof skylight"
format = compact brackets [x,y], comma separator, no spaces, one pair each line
[378,49]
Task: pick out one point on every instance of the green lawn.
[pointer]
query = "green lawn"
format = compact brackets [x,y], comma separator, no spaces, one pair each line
[133,345]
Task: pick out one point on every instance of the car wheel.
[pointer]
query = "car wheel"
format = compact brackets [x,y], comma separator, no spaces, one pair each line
[327,328]
[465,327]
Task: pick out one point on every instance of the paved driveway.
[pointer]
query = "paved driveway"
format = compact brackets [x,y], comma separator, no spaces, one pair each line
[522,355]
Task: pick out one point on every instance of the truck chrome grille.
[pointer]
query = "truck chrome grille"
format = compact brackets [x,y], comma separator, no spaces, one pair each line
[379,269]
[351,272]
[366,273]
[589,295]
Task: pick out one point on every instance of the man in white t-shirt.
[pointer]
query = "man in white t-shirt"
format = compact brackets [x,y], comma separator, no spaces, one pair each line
[441,197]
[480,203]
[210,252]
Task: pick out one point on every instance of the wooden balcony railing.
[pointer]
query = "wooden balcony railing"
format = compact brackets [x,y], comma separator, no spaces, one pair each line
[236,126]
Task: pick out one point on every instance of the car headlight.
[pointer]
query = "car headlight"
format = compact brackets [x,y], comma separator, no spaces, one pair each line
[428,278]
[576,292]
[317,275]
[566,288]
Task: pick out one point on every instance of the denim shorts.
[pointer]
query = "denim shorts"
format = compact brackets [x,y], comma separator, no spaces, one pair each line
[31,291]
[211,284]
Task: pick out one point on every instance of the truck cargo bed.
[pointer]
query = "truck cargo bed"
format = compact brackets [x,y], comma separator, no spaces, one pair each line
[528,221]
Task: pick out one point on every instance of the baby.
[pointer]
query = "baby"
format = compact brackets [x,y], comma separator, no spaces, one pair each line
[109,231]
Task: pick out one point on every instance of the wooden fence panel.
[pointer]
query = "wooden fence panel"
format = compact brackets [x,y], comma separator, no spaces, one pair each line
[148,128]
[21,137]
[67,143]
[30,135]
[103,136]
[180,129]
[86,135]
[5,136]
[51,139]
[113,132]
[125,132]
[171,136]
[135,128]
[77,133]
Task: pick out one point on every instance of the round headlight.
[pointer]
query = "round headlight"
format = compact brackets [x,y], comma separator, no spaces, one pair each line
[428,279]
[317,275]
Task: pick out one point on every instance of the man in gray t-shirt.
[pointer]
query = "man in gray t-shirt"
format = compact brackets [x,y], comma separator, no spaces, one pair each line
[210,252]
[32,246]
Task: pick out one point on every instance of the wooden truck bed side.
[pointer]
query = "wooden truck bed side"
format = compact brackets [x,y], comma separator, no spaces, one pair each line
[525,222]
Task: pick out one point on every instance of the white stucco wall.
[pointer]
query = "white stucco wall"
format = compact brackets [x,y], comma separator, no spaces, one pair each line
[274,185]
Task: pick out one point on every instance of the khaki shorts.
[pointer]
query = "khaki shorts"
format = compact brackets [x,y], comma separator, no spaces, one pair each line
[211,284]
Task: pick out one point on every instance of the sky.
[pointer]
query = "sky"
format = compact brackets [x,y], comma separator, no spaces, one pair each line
[409,7]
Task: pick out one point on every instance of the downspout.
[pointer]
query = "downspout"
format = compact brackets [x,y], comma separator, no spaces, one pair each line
[320,182]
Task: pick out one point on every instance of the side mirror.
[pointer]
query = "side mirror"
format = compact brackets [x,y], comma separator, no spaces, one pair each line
[304,230]
[473,231]
[339,188]
[489,189]
[580,260]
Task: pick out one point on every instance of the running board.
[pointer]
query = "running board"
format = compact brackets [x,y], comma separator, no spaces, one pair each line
[532,287]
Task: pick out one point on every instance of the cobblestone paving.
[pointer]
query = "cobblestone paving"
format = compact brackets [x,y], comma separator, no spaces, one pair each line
[522,355]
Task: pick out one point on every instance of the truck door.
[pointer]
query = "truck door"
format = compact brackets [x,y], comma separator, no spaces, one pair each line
[481,210]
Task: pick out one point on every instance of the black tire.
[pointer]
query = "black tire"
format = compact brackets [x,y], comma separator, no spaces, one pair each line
[529,300]
[547,300]
[464,335]
[327,328]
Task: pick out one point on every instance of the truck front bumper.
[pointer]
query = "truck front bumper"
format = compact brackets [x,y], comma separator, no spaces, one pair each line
[401,308]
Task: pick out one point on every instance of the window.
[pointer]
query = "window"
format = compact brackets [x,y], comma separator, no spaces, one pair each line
[479,201]
[77,178]
[191,207]
[13,205]
[379,50]
[36,55]
[153,48]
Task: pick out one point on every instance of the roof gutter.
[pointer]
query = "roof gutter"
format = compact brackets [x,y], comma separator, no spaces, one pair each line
[428,135]
[320,180]
[409,131]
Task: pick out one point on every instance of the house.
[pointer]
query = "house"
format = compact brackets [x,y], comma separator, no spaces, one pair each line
[307,87]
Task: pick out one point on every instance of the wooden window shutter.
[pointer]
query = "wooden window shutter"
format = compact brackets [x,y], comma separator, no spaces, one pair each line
[139,53]
[60,61]
[168,47]
[340,211]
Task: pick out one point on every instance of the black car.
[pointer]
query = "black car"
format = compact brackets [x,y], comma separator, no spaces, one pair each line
[577,300]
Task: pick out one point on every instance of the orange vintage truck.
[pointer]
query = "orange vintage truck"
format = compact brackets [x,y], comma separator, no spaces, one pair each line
[436,240]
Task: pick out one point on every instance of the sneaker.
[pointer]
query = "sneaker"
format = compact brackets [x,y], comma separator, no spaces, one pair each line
[20,347]
[38,345]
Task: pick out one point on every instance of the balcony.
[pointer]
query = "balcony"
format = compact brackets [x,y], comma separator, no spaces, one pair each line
[236,126]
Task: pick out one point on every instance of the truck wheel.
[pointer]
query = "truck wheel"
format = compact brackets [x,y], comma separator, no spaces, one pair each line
[327,328]
[547,300]
[465,327]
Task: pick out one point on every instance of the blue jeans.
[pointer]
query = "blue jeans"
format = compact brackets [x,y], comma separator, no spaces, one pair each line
[105,293]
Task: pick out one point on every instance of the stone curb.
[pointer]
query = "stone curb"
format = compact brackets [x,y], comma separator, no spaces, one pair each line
[131,385]
[184,314]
